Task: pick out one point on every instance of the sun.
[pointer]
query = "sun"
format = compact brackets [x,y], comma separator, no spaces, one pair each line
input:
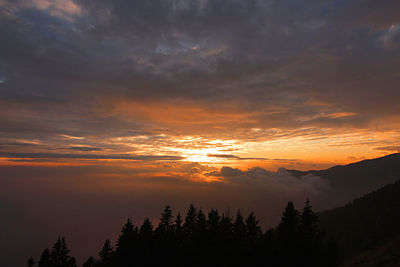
[197,149]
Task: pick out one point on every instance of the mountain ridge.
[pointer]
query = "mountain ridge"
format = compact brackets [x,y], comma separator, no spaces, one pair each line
[356,179]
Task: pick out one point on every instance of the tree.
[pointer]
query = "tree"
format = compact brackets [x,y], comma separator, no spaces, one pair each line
[166,222]
[287,236]
[213,220]
[146,230]
[59,255]
[289,222]
[91,262]
[201,222]
[126,245]
[253,231]
[106,254]
[178,224]
[239,228]
[190,220]
[45,259]
[31,262]
[311,238]
[309,222]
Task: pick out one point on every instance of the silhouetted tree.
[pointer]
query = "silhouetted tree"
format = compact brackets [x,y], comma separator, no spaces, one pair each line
[310,238]
[146,243]
[126,245]
[287,236]
[59,255]
[166,221]
[190,220]
[106,254]
[91,262]
[31,262]
[253,231]
[239,236]
[201,222]
[45,259]
[210,241]
[178,224]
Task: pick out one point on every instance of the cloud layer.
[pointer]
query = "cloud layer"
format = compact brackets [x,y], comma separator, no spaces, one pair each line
[197,67]
[125,102]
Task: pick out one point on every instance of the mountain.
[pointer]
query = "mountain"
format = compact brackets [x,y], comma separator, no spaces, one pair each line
[367,230]
[354,180]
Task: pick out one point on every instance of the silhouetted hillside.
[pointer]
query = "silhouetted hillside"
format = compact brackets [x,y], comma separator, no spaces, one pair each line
[371,222]
[356,179]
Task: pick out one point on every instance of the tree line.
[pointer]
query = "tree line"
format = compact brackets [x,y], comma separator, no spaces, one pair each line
[212,239]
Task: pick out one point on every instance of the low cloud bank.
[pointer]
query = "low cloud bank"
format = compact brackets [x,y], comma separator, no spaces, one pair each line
[280,181]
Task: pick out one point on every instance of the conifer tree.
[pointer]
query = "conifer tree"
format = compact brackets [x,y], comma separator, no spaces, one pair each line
[309,222]
[287,236]
[213,220]
[31,262]
[310,238]
[190,220]
[106,254]
[253,231]
[289,222]
[59,255]
[239,228]
[166,221]
[90,262]
[146,230]
[126,245]
[45,259]
[178,224]
[201,222]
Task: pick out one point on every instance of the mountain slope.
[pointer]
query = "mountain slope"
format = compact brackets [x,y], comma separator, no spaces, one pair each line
[356,179]
[371,222]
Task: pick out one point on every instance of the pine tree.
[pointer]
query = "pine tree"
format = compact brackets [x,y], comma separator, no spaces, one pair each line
[45,259]
[59,255]
[289,224]
[31,262]
[166,221]
[309,222]
[91,262]
[239,228]
[288,236]
[126,245]
[178,224]
[213,220]
[201,222]
[106,254]
[146,230]
[253,231]
[190,220]
[311,238]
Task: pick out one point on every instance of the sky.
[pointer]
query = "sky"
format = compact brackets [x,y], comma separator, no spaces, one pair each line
[132,105]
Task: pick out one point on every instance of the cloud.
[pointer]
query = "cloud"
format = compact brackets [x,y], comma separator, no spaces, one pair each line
[388,148]
[197,68]
[88,156]
[230,156]
[281,181]
[391,38]
[85,148]
[64,9]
